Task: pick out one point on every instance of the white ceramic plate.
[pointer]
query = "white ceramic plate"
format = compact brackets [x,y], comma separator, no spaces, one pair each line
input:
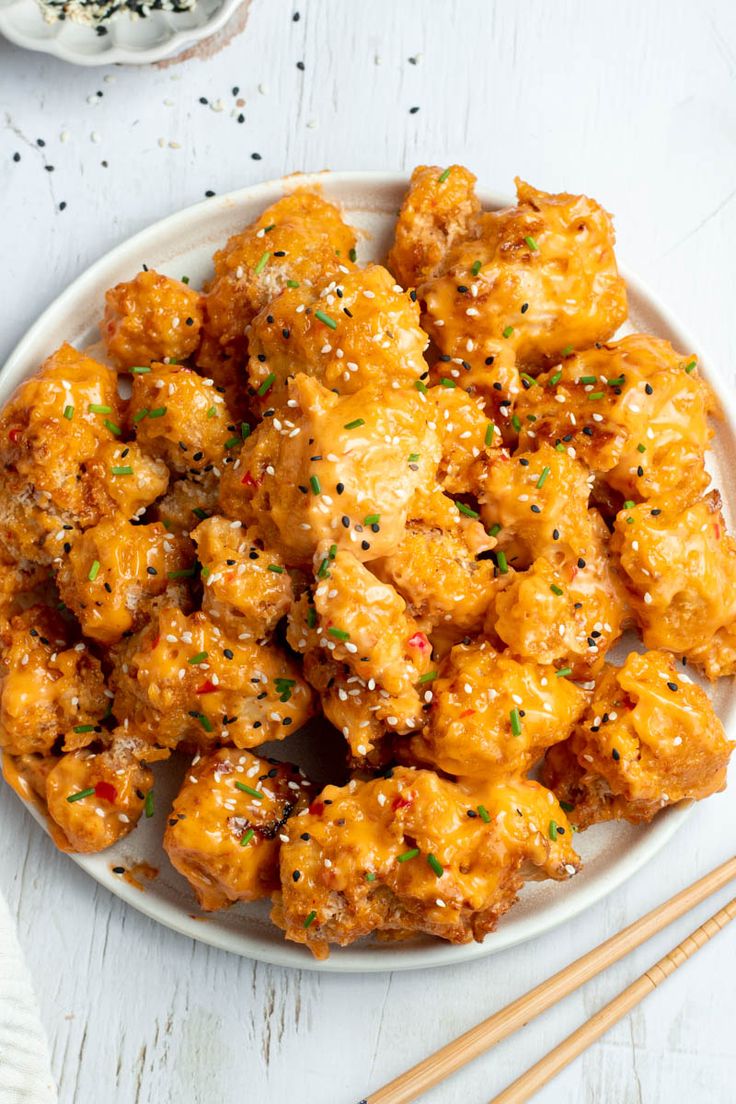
[128,40]
[183,245]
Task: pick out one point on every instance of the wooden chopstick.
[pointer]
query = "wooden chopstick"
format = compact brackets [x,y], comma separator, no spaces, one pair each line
[548,1067]
[468,1046]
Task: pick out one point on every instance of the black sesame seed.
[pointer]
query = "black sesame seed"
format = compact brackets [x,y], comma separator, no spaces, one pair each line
[118,870]
[672,686]
[300,66]
[340,488]
[536,509]
[255,157]
[365,545]
[209,193]
[524,308]
[345,521]
[555,534]
[616,755]
[413,110]
[581,562]
[296,875]
[16,157]
[648,388]
[489,361]
[524,462]
[445,358]
[152,571]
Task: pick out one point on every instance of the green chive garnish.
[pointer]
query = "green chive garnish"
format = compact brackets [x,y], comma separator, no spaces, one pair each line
[310,919]
[430,676]
[112,427]
[420,386]
[553,829]
[556,589]
[412,854]
[314,483]
[250,791]
[267,384]
[247,837]
[212,412]
[528,379]
[68,413]
[490,432]
[516,422]
[140,370]
[371,519]
[435,864]
[566,351]
[543,477]
[617,382]
[355,424]
[262,263]
[326,319]
[502,563]
[200,657]
[563,672]
[555,379]
[629,504]
[82,793]
[157,413]
[148,803]
[84,728]
[596,395]
[205,722]
[531,243]
[443,176]
[508,331]
[97,408]
[339,634]
[690,367]
[352,254]
[445,382]
[515,721]
[370,877]
[566,806]
[476,266]
[467,510]
[312,615]
[588,379]
[124,469]
[185,279]
[292,283]
[323,573]
[94,571]
[413,457]
[484,814]
[141,414]
[277,570]
[641,448]
[183,573]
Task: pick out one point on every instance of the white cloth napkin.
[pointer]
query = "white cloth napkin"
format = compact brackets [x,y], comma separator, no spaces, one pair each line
[25,1070]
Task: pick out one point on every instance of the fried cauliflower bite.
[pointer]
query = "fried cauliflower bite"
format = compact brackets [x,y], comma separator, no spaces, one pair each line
[415,853]
[151,317]
[467,436]
[49,689]
[301,238]
[113,572]
[439,210]
[50,430]
[649,738]
[227,822]
[634,410]
[189,501]
[436,568]
[182,419]
[247,589]
[536,504]
[493,716]
[561,615]
[125,480]
[183,679]
[343,469]
[539,277]
[356,330]
[97,797]
[680,573]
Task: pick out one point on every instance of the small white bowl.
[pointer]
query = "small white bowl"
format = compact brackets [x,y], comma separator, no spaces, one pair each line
[129,41]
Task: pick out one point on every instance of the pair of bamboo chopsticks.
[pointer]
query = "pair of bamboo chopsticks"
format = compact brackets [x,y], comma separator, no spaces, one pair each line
[428,1073]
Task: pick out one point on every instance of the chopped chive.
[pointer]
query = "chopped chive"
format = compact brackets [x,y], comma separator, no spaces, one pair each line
[212,412]
[323,573]
[80,794]
[124,469]
[502,563]
[200,513]
[475,268]
[200,657]
[556,589]
[430,676]
[566,806]
[563,672]
[244,430]
[232,442]
[94,571]
[553,829]
[269,228]
[157,413]
[354,424]
[112,427]
[352,254]
[148,803]
[588,379]
[516,422]
[332,552]
[185,279]
[267,384]
[247,837]
[490,431]
[420,386]
[494,530]
[515,721]
[315,484]
[443,176]
[370,877]
[262,263]
[629,504]
[559,447]
[276,568]
[406,855]
[312,615]
[566,351]
[413,457]
[68,413]
[339,634]
[445,382]
[508,331]
[292,283]
[690,367]
[467,510]
[140,370]
[141,414]
[530,380]
[531,243]
[555,379]
[543,477]
[84,728]
[484,814]
[617,382]
[249,790]
[641,448]
[326,319]
[183,573]
[205,722]
[310,919]
[371,519]
[435,864]
[98,408]
[205,572]
[596,395]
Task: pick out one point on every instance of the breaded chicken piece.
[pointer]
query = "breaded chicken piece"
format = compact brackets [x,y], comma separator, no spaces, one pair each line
[247,589]
[124,479]
[182,418]
[227,822]
[357,329]
[436,568]
[183,679]
[680,573]
[634,410]
[469,438]
[49,689]
[301,238]
[97,797]
[538,278]
[19,583]
[493,716]
[413,852]
[649,738]
[113,572]
[338,469]
[439,210]
[50,430]
[151,317]
[562,615]
[536,504]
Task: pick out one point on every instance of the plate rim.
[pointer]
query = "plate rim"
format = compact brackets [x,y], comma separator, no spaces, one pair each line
[350,960]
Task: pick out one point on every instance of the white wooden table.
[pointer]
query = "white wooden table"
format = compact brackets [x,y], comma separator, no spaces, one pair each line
[632,102]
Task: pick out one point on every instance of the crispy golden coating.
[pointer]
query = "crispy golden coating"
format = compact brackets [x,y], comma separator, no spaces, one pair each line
[123,479]
[539,277]
[634,410]
[50,430]
[540,501]
[439,210]
[189,501]
[493,716]
[494,382]
[227,822]
[182,419]
[49,690]
[183,679]
[118,781]
[300,238]
[436,568]
[357,330]
[337,468]
[247,589]
[115,570]
[649,738]
[561,615]
[151,317]
[410,853]
[680,572]
[468,438]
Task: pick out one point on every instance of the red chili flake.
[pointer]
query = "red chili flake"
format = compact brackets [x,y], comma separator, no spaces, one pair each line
[14,434]
[421,641]
[106,791]
[317,808]
[248,480]
[401,802]
[207,687]
[467,713]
